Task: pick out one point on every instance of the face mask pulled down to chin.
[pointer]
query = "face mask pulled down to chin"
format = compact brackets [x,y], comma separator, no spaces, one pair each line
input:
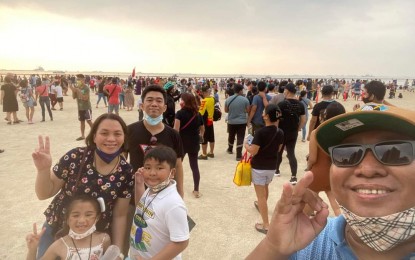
[153,121]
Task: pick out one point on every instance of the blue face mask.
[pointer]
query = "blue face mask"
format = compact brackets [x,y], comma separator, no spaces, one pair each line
[106,157]
[153,121]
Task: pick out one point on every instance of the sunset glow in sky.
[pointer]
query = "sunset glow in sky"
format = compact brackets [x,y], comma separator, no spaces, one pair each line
[318,37]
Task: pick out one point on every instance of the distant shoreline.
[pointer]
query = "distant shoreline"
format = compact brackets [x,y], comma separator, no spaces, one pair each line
[191,75]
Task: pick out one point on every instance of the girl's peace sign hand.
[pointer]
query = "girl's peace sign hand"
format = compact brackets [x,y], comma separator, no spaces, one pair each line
[32,240]
[41,156]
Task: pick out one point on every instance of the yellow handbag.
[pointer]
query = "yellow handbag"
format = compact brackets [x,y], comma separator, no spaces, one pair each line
[242,175]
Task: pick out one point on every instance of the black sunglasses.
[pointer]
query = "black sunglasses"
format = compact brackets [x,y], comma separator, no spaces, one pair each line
[394,153]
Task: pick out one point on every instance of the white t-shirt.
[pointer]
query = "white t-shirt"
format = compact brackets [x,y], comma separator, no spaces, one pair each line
[52,89]
[166,220]
[58,90]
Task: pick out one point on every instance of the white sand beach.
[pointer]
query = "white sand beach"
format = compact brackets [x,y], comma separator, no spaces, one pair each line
[225,215]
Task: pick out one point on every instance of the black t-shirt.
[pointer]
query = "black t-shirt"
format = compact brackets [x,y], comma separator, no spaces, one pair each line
[319,108]
[190,134]
[269,139]
[291,110]
[139,138]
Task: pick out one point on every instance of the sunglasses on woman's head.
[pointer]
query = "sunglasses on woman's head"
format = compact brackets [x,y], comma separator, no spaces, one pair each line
[393,153]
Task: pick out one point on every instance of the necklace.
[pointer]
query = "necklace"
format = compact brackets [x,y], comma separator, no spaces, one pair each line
[95,164]
[90,245]
[148,205]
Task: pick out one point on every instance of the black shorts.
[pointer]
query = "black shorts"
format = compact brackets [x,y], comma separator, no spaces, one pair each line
[59,99]
[85,115]
[209,135]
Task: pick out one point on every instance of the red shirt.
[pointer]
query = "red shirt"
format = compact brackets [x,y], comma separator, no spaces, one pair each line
[42,90]
[113,90]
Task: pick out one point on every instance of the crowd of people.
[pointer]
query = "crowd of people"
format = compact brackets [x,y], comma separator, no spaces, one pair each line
[140,207]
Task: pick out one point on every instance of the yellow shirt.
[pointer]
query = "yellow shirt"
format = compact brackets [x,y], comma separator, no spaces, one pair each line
[207,104]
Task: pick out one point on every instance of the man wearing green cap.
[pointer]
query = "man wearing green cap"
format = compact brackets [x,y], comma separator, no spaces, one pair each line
[372,176]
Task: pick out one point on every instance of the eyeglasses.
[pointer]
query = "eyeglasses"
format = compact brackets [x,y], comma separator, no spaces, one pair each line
[153,141]
[394,153]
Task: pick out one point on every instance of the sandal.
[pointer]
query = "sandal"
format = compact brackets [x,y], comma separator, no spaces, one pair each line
[197,194]
[80,138]
[260,228]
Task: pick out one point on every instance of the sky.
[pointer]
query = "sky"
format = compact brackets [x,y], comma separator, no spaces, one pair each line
[261,37]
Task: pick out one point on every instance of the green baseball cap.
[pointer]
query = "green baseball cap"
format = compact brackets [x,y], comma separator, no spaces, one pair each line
[371,117]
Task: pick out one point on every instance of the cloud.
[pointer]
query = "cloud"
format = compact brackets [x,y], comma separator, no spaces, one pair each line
[271,37]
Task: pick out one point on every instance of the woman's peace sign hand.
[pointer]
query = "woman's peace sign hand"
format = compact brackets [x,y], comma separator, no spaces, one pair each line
[41,156]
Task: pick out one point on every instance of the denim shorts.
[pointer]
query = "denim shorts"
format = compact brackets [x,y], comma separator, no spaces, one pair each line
[113,108]
[262,177]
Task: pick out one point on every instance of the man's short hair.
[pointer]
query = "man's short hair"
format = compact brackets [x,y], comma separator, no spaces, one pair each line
[327,90]
[237,88]
[262,86]
[80,76]
[155,88]
[376,88]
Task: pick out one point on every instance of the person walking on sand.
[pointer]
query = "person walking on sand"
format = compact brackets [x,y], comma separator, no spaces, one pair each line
[113,90]
[81,94]
[9,101]
[206,109]
[237,108]
[264,148]
[43,94]
[27,98]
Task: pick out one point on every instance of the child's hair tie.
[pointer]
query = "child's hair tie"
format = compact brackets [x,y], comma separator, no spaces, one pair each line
[101,203]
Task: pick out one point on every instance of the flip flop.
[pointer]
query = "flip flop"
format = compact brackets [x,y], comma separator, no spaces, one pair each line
[80,138]
[197,194]
[260,228]
[256,205]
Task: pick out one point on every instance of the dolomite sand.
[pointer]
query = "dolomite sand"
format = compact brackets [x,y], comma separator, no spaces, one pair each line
[224,215]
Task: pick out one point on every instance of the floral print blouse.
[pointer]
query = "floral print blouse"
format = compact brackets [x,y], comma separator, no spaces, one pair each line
[119,184]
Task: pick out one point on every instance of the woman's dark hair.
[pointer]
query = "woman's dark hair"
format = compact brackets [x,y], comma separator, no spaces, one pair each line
[79,198]
[273,111]
[161,154]
[90,138]
[24,83]
[155,88]
[38,82]
[254,90]
[334,109]
[190,102]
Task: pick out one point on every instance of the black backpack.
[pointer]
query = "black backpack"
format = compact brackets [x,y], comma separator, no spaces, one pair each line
[289,116]
[217,113]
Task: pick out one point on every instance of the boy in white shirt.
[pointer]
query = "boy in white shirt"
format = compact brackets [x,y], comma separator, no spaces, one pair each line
[59,95]
[160,229]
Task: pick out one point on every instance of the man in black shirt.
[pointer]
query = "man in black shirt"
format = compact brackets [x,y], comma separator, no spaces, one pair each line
[293,119]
